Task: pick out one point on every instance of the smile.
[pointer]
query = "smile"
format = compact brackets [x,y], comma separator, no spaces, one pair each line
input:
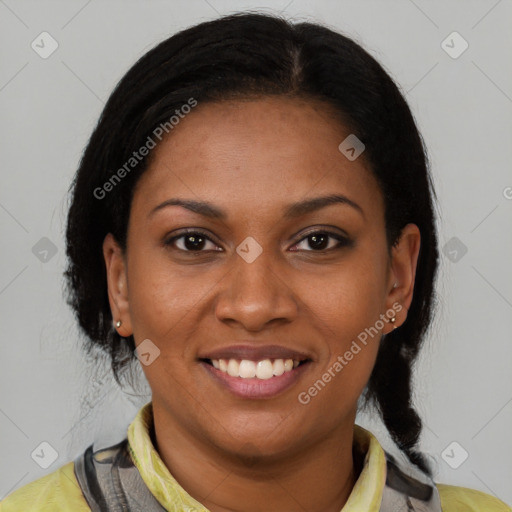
[255,379]
[246,369]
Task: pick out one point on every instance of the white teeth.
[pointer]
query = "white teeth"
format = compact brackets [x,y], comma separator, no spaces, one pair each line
[264,369]
[247,369]
[278,367]
[233,368]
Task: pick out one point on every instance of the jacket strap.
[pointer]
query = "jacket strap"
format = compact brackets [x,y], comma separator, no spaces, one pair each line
[408,490]
[110,482]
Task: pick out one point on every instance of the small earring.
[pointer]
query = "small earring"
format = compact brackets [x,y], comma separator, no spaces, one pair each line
[392,321]
[118,324]
[395,285]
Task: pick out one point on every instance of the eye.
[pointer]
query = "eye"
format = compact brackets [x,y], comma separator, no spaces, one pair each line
[191,241]
[318,241]
[323,241]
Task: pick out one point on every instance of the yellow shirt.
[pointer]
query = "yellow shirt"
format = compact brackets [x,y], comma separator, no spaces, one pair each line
[60,492]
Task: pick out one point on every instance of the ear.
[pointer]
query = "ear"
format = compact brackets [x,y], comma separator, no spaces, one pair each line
[404,259]
[117,285]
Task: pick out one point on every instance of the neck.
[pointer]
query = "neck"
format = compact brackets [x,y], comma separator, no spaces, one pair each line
[317,477]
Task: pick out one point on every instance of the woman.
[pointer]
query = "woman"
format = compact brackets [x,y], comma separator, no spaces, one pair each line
[253,220]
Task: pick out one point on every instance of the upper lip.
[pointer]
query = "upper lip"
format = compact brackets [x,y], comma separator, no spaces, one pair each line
[255,353]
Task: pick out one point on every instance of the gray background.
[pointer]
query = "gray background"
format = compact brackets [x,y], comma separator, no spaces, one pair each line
[463,107]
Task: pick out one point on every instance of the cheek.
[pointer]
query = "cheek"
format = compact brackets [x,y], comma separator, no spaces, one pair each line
[163,308]
[351,345]
[160,296]
[348,306]
[351,297]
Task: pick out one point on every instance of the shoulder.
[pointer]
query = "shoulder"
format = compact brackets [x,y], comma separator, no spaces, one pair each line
[56,492]
[460,499]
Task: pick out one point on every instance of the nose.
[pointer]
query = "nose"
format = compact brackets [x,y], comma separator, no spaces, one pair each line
[256,294]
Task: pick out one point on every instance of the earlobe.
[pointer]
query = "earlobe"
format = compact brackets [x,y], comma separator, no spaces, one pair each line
[404,260]
[117,285]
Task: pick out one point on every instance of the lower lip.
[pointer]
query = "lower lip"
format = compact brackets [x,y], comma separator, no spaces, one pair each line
[257,388]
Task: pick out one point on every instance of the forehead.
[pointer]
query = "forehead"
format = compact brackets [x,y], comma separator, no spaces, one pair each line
[271,150]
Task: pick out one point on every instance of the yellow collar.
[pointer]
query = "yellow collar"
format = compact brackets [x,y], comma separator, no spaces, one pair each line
[366,494]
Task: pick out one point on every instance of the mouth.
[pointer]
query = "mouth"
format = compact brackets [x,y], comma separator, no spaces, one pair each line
[264,378]
[247,369]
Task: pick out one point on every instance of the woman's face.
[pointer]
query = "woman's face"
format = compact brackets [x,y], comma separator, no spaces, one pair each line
[315,280]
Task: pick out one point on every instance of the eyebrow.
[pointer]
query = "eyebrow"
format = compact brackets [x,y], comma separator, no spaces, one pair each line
[293,210]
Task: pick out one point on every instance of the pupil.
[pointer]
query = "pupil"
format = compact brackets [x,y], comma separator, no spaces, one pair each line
[194,242]
[318,241]
[315,241]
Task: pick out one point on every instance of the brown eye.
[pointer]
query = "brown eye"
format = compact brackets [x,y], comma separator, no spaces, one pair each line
[193,241]
[323,241]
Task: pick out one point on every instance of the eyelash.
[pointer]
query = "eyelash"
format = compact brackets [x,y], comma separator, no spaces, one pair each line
[342,241]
